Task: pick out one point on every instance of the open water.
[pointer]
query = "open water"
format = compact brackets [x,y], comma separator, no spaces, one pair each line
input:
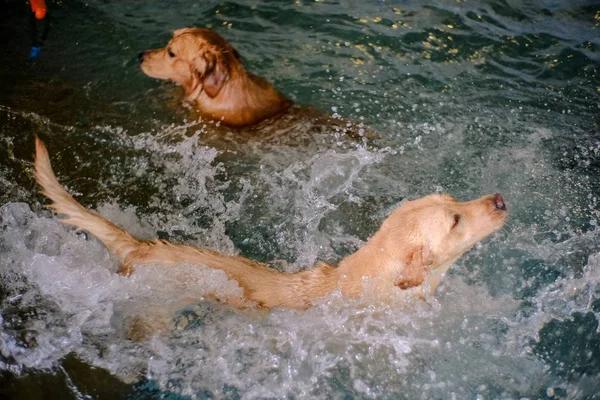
[467,97]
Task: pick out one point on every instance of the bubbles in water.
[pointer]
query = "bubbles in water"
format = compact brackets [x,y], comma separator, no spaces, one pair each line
[478,338]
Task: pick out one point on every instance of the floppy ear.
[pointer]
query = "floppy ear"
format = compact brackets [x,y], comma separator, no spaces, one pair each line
[210,72]
[416,264]
[217,73]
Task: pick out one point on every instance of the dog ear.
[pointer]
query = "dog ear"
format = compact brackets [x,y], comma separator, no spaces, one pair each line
[216,74]
[416,263]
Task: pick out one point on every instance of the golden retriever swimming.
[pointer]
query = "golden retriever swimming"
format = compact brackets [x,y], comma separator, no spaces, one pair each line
[213,77]
[414,247]
[215,81]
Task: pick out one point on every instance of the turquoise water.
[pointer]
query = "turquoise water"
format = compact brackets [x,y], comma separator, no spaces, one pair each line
[466,97]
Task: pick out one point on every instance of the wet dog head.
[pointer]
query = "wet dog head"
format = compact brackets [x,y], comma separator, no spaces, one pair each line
[438,229]
[429,234]
[197,59]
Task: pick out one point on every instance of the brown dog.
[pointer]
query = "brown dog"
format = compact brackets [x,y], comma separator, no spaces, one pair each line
[211,72]
[413,248]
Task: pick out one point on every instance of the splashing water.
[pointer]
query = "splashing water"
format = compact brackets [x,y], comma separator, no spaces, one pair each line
[467,98]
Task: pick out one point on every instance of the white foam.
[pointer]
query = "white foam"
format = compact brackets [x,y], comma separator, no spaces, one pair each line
[474,340]
[382,349]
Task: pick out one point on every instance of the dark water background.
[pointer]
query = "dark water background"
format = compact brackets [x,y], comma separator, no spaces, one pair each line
[467,97]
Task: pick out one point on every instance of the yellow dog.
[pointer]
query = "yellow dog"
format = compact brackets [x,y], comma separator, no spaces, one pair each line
[414,247]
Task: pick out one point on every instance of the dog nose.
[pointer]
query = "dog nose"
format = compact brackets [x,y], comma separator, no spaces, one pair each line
[499,201]
[141,56]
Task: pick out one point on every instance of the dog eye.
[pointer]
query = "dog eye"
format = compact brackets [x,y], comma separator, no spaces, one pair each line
[456,220]
[170,53]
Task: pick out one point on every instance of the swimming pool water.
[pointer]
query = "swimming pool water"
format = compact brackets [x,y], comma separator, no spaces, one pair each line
[466,97]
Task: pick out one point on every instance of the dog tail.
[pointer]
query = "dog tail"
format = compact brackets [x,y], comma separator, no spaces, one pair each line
[114,238]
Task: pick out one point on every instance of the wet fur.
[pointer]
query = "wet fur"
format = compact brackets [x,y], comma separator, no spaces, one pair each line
[213,77]
[220,88]
[411,251]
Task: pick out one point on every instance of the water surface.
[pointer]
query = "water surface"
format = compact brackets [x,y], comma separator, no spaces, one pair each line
[467,97]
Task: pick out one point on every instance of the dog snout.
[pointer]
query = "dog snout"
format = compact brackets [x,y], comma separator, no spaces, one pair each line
[499,202]
[141,56]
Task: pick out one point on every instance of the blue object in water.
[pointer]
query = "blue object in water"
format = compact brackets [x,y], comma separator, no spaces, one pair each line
[35,51]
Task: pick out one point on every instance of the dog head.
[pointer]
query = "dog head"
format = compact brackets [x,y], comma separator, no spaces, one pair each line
[198,59]
[431,233]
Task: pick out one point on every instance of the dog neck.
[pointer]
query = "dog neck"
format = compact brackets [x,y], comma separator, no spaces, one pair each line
[245,99]
[371,267]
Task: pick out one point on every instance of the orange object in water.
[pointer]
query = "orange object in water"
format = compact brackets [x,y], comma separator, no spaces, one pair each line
[39,8]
